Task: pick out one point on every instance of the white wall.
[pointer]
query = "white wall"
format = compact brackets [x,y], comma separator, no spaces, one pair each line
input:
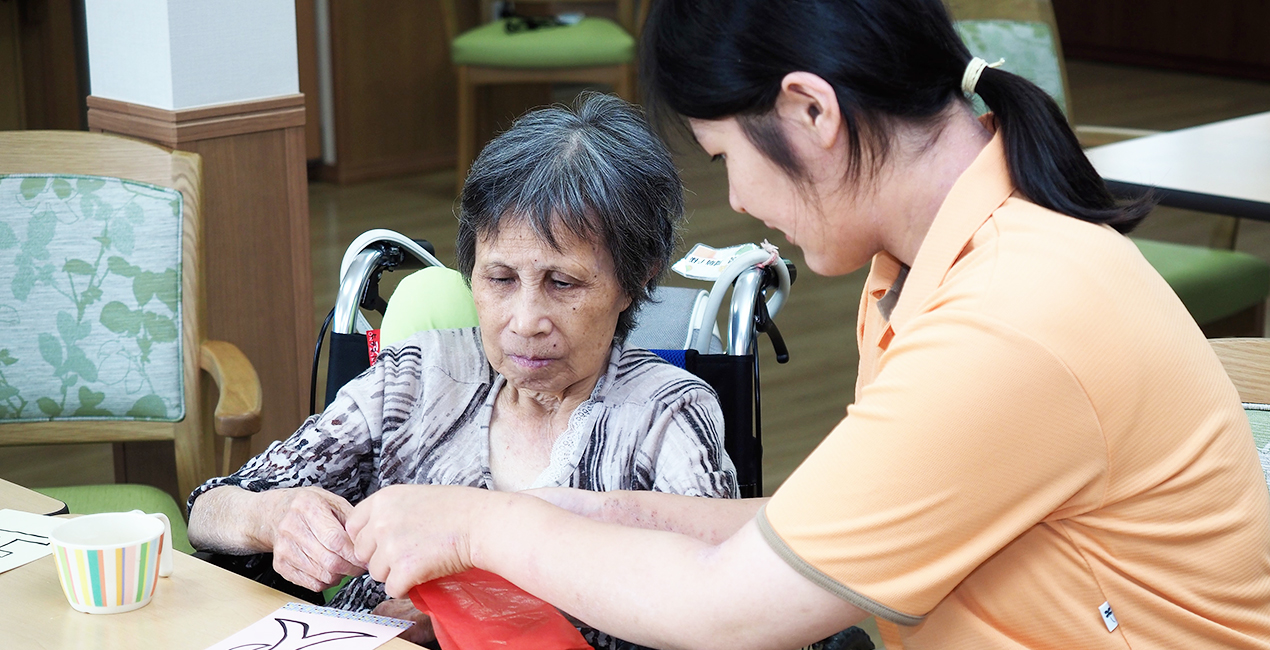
[176,54]
[129,55]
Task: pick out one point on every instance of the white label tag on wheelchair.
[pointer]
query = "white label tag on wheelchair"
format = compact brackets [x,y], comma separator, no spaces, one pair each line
[706,263]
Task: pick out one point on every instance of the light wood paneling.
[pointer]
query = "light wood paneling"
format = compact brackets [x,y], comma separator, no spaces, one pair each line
[1247,361]
[259,286]
[173,128]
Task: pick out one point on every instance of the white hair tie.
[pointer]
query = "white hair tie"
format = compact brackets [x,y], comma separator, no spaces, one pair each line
[970,79]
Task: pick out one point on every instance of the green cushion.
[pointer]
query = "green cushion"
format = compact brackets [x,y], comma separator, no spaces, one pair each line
[435,298]
[1212,283]
[90,299]
[1259,418]
[92,499]
[593,41]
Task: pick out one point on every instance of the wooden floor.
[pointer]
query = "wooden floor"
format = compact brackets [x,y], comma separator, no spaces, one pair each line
[805,398]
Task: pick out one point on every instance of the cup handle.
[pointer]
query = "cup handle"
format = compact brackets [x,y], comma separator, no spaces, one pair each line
[165,551]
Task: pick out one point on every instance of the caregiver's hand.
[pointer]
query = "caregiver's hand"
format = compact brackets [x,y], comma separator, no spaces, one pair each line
[310,545]
[410,534]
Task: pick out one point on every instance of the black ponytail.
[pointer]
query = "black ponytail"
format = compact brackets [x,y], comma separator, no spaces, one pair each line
[1046,162]
[889,62]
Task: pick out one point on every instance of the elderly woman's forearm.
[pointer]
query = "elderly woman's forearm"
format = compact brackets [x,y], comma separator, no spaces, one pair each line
[229,519]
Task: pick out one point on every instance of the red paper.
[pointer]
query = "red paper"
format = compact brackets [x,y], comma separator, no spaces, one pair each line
[478,610]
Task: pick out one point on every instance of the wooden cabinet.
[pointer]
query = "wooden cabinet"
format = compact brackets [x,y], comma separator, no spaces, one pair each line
[394,92]
[41,64]
[1224,37]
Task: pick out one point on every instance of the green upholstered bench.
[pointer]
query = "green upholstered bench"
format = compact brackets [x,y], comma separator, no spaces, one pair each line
[1214,284]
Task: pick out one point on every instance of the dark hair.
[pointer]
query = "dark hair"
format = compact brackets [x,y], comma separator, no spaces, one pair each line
[889,62]
[595,169]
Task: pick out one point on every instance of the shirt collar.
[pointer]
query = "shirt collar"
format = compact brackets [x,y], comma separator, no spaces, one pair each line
[978,192]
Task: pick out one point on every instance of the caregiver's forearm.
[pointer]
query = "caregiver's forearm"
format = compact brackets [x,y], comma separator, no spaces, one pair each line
[652,587]
[706,519]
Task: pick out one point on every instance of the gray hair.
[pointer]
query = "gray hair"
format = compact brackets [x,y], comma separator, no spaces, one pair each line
[595,169]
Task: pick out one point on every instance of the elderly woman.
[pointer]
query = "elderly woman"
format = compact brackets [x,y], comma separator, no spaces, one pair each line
[566,223]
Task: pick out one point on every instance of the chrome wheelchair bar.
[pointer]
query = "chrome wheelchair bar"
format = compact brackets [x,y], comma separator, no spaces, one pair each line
[746,292]
[361,262]
[353,284]
[391,236]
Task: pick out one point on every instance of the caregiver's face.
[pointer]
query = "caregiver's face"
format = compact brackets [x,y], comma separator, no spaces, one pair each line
[547,316]
[834,232]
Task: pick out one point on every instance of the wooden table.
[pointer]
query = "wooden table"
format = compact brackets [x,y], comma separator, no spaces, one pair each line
[16,497]
[198,606]
[1223,167]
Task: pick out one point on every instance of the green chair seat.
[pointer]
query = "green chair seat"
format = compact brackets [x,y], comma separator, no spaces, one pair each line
[591,42]
[1212,283]
[92,499]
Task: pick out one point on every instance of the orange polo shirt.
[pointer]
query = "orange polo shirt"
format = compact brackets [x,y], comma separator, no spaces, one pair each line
[1044,452]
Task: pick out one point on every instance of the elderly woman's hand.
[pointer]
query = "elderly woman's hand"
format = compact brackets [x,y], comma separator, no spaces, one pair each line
[409,534]
[310,545]
[419,633]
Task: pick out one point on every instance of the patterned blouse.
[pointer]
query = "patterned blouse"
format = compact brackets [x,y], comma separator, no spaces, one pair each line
[421,415]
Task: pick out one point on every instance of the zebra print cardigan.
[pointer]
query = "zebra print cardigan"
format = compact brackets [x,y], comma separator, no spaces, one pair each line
[421,414]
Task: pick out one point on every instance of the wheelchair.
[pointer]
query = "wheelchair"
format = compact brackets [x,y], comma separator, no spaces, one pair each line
[678,324]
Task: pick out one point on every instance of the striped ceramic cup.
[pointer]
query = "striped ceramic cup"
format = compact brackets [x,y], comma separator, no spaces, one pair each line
[109,563]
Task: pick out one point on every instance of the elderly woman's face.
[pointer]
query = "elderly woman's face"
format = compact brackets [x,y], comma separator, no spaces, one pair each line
[547,316]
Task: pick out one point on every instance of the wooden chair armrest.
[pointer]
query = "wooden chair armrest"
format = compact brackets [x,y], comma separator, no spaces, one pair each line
[1096,136]
[237,412]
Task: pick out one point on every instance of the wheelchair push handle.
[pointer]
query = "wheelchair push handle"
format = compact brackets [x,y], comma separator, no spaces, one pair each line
[752,273]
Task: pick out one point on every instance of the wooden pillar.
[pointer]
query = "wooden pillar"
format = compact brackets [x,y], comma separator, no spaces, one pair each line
[257,274]
[220,80]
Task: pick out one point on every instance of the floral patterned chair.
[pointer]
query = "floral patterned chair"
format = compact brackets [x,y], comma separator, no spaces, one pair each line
[101,335]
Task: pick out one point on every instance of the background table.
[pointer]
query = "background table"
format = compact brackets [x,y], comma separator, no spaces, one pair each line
[198,606]
[1223,167]
[16,497]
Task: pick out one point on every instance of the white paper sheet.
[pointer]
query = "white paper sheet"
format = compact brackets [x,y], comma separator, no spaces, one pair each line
[24,537]
[296,626]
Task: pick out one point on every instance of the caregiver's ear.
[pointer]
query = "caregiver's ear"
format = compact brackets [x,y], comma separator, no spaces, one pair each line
[809,103]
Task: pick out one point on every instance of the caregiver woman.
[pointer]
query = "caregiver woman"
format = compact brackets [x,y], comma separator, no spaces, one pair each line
[1043,451]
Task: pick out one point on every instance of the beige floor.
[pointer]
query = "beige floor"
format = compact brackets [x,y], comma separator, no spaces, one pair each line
[805,398]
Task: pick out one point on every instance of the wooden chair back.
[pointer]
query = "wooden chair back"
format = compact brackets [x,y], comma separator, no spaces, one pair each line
[1034,11]
[1247,361]
[73,152]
